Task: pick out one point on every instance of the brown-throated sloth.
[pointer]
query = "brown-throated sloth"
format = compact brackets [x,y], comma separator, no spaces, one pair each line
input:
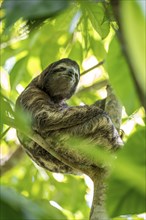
[44,98]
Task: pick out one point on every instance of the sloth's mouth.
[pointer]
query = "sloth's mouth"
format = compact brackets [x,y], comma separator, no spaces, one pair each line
[68,76]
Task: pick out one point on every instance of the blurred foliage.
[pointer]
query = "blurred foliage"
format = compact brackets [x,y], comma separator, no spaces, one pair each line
[21,208]
[32,12]
[134,22]
[44,31]
[131,166]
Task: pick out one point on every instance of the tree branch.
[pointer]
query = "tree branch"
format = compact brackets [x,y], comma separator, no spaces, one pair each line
[98,211]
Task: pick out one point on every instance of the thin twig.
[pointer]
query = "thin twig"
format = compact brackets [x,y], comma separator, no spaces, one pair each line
[95,86]
[93,67]
[11,160]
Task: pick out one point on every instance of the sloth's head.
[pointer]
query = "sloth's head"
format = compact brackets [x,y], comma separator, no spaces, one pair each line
[59,80]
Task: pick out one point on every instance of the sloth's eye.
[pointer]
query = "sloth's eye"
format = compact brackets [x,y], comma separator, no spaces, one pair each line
[62,69]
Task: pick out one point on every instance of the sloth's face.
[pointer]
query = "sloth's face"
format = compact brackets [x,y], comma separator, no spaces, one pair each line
[65,75]
[62,79]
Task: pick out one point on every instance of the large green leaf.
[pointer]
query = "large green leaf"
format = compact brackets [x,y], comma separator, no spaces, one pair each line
[98,48]
[126,191]
[120,77]
[133,24]
[76,52]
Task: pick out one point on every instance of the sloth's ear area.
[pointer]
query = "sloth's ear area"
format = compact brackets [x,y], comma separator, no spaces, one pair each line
[42,77]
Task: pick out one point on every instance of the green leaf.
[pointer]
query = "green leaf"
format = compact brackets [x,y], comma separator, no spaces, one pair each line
[97,16]
[17,119]
[50,54]
[18,72]
[85,29]
[6,105]
[98,48]
[120,77]
[7,113]
[76,52]
[33,9]
[123,200]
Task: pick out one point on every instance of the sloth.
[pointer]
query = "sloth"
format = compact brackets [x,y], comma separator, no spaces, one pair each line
[44,99]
